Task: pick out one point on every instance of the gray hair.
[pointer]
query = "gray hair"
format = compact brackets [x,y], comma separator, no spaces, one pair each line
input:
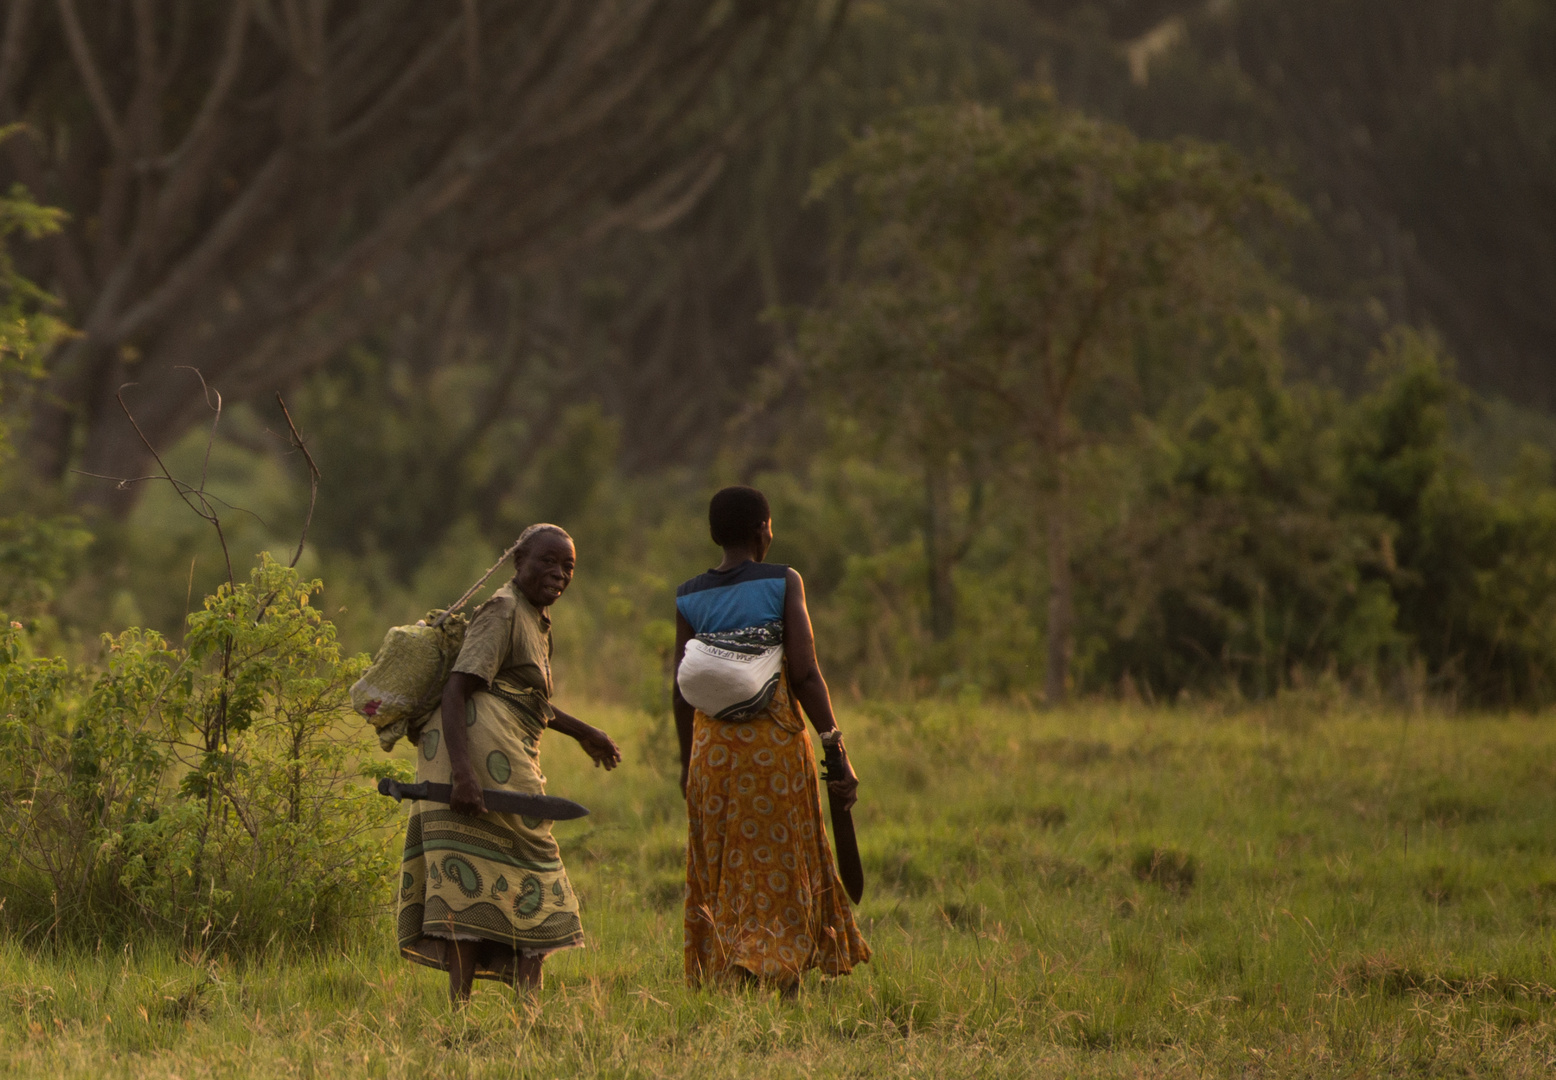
[528,537]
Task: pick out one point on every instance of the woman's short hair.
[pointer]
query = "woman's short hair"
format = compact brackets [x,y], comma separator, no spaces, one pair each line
[736,514]
[529,536]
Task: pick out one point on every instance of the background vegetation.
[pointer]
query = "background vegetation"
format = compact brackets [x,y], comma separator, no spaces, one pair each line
[1319,451]
[1191,359]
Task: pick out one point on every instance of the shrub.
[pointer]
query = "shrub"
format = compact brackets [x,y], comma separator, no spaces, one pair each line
[205,791]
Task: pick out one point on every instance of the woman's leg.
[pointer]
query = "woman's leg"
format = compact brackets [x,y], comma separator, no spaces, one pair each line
[529,979]
[461,970]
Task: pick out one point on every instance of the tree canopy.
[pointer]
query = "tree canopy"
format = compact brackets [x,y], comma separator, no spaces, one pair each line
[1015,269]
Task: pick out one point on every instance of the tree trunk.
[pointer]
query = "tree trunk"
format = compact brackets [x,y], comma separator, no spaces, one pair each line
[938,552]
[1061,590]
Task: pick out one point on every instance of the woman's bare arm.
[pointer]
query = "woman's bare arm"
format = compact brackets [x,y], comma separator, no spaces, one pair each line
[598,745]
[806,681]
[466,796]
[684,713]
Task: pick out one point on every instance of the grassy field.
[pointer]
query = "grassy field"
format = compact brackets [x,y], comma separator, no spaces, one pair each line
[1104,891]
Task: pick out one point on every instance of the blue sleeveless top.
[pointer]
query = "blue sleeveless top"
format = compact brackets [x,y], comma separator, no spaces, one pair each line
[719,601]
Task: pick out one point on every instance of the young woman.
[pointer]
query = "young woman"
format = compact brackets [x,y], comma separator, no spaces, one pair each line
[763,900]
[484,894]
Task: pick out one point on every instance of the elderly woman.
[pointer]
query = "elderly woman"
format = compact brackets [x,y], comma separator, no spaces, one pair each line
[763,900]
[484,894]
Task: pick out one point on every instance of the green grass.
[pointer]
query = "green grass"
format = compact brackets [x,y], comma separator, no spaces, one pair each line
[1104,891]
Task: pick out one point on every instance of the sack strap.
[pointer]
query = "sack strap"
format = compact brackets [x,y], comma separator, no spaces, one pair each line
[465,599]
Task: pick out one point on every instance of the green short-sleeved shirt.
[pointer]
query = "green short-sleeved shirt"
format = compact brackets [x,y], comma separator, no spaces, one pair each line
[508,644]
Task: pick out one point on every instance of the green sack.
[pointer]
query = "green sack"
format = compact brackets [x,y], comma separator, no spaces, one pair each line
[405,684]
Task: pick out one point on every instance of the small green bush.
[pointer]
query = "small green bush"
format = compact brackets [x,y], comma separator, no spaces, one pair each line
[206,791]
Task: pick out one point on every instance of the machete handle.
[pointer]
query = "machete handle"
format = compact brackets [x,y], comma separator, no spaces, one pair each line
[848,865]
[396,790]
[835,766]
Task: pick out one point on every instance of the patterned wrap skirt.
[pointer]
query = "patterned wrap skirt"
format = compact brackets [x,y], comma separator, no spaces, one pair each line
[762,892]
[493,878]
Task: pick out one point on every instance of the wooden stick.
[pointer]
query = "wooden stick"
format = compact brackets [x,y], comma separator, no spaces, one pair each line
[463,600]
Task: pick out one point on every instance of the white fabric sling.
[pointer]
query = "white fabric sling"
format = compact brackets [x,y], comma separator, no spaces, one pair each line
[732,675]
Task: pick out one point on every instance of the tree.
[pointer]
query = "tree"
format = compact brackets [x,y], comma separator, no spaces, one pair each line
[1057,257]
[1469,564]
[29,323]
[881,367]
[254,184]
[1234,565]
[36,551]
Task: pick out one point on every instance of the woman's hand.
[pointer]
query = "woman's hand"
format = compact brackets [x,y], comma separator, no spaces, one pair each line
[598,745]
[846,789]
[465,798]
[685,771]
[458,714]
[601,747]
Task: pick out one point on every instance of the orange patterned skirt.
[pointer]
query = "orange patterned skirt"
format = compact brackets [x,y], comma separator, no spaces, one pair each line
[762,892]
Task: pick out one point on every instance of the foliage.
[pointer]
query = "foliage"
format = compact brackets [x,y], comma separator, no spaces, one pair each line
[204,792]
[1009,274]
[1295,890]
[39,552]
[29,326]
[38,555]
[1233,567]
[1234,525]
[1469,565]
[1282,533]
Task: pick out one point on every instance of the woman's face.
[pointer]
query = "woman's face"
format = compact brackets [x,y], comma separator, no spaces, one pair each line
[546,569]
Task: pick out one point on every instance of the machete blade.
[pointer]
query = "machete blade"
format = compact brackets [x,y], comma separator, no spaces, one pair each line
[849,867]
[548,807]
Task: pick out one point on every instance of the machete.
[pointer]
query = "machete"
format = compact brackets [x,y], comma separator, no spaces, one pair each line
[549,807]
[848,866]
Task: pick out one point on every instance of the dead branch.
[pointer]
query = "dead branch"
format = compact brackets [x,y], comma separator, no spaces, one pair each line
[221,86]
[188,494]
[313,477]
[91,74]
[17,16]
[465,599]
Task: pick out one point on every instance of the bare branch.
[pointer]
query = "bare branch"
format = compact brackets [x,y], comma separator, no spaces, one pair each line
[81,52]
[205,465]
[185,492]
[313,476]
[16,20]
[380,109]
[472,24]
[443,188]
[226,76]
[465,599]
[317,31]
[122,483]
[252,204]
